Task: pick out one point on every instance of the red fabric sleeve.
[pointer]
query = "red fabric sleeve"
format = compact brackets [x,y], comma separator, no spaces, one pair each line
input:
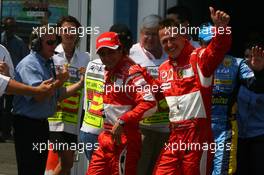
[144,100]
[210,57]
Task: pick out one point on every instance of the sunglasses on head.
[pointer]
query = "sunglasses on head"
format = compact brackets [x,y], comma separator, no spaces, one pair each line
[51,42]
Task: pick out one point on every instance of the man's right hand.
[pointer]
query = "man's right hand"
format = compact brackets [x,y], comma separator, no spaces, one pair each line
[219,18]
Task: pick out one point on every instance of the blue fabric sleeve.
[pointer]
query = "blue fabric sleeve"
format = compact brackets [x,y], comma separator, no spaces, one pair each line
[253,80]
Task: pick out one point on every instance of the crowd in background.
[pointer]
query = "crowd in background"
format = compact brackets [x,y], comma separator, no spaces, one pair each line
[206,95]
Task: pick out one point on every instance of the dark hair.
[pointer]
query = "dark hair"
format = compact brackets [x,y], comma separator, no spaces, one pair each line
[183,12]
[4,23]
[253,43]
[8,18]
[254,38]
[124,35]
[70,19]
[35,37]
[167,22]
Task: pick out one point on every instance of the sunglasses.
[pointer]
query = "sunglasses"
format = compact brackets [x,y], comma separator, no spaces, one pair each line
[51,42]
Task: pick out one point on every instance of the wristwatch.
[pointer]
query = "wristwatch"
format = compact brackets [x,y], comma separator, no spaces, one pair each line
[121,122]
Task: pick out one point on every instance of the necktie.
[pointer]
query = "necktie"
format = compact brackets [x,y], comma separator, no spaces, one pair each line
[51,65]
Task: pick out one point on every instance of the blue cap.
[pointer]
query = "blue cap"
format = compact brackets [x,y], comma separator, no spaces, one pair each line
[206,32]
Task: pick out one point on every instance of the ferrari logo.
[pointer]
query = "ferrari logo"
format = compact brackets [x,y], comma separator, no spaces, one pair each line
[180,73]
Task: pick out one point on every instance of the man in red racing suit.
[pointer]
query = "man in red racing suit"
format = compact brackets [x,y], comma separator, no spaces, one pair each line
[185,81]
[127,98]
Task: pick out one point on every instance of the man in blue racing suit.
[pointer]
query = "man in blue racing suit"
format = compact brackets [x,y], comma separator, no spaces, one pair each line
[228,76]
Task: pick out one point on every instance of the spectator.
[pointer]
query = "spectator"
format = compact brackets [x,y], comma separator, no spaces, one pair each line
[250,115]
[119,143]
[13,87]
[31,127]
[7,69]
[18,50]
[186,81]
[64,124]
[93,116]
[7,61]
[14,44]
[148,53]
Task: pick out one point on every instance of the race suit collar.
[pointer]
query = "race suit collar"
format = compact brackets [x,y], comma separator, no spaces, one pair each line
[184,56]
[118,65]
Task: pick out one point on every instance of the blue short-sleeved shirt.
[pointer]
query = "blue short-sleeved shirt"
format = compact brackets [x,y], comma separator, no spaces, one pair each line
[32,70]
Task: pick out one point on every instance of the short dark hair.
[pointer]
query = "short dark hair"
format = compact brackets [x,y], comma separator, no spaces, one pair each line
[37,34]
[124,35]
[167,22]
[183,12]
[4,23]
[68,19]
[8,18]
[71,19]
[254,43]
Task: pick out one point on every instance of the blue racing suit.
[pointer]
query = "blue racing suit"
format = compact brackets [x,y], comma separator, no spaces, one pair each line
[231,76]
[225,86]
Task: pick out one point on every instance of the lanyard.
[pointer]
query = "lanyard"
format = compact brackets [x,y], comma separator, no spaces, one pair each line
[51,66]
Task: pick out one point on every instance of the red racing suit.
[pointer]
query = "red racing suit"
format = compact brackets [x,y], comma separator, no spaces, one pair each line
[186,83]
[129,105]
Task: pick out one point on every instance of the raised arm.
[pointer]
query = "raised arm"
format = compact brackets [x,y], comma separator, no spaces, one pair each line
[213,54]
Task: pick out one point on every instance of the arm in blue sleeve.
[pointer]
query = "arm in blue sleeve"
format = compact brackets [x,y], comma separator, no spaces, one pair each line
[253,80]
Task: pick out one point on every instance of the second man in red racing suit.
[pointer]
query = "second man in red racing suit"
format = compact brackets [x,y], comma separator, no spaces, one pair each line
[127,98]
[186,82]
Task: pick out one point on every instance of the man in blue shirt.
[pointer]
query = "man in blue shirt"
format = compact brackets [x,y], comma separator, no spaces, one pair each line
[18,50]
[250,115]
[14,44]
[31,129]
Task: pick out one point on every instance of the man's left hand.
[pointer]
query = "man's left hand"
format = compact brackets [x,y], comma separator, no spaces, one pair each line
[62,76]
[256,60]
